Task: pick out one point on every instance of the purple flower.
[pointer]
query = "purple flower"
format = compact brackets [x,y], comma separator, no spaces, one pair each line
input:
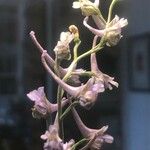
[105,80]
[86,94]
[89,93]
[53,141]
[112,30]
[96,136]
[62,49]
[42,107]
[101,78]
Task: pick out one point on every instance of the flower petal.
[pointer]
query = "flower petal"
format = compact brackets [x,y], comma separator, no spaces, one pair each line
[100,33]
[76,5]
[33,95]
[108,139]
[98,87]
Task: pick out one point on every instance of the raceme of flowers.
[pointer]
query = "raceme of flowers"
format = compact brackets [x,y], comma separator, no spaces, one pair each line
[71,92]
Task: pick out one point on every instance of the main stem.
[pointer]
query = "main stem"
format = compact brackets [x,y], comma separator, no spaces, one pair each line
[70,69]
[59,98]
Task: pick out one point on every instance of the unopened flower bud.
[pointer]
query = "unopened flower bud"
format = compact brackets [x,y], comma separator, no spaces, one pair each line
[87,7]
[73,29]
[62,49]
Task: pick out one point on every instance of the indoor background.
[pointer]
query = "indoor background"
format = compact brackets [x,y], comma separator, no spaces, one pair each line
[126,109]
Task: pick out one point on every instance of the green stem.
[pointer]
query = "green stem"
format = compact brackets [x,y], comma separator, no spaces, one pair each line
[60,123]
[59,97]
[68,109]
[111,9]
[78,143]
[86,73]
[70,69]
[93,50]
[75,49]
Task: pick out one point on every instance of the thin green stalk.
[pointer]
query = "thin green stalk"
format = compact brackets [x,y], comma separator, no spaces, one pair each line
[78,143]
[111,9]
[59,98]
[59,93]
[93,50]
[75,49]
[68,109]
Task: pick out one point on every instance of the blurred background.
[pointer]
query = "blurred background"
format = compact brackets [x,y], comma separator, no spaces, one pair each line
[126,109]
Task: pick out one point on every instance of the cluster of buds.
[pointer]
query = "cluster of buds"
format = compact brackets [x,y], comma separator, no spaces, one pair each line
[77,93]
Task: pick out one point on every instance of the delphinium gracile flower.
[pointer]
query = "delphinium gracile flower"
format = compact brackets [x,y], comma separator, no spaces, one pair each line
[43,108]
[85,94]
[100,78]
[53,140]
[96,137]
[111,29]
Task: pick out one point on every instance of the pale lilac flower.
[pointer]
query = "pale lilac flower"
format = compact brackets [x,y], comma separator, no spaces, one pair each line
[104,79]
[62,49]
[112,30]
[96,136]
[89,93]
[42,107]
[86,94]
[53,141]
[101,78]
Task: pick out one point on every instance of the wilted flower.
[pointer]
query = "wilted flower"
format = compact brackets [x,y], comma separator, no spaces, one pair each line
[62,49]
[53,141]
[42,106]
[89,93]
[101,78]
[86,93]
[97,136]
[112,30]
[87,7]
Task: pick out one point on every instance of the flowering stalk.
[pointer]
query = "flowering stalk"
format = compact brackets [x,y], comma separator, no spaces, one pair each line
[68,79]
